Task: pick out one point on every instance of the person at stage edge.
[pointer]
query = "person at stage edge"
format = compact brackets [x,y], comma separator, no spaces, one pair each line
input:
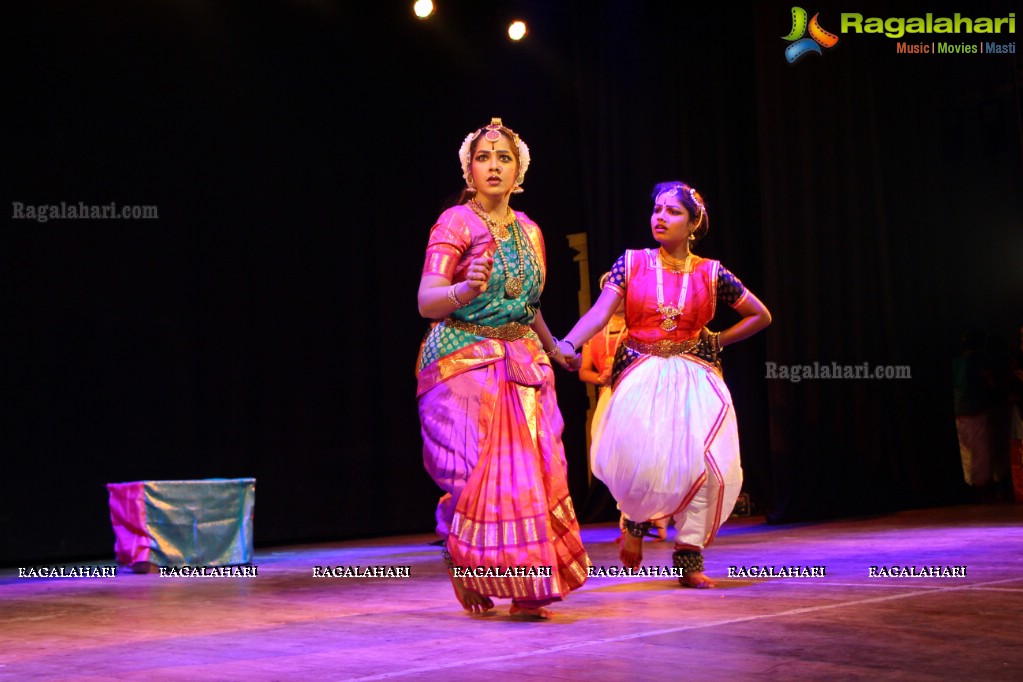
[668,443]
[490,421]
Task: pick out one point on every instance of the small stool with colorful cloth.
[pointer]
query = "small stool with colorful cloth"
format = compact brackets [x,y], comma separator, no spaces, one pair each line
[206,522]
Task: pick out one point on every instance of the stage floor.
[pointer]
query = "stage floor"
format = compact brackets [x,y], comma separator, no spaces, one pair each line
[285,624]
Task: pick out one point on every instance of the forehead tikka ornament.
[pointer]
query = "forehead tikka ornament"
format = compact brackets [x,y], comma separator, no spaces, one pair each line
[492,133]
[677,189]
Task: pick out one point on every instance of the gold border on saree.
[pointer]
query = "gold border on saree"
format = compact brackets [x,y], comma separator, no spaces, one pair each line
[512,331]
[665,348]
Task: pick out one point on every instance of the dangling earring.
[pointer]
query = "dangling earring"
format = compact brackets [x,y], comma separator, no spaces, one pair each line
[517,189]
[470,185]
[692,237]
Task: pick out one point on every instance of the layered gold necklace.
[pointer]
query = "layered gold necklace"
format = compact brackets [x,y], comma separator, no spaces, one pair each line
[500,231]
[670,312]
[498,228]
[673,264]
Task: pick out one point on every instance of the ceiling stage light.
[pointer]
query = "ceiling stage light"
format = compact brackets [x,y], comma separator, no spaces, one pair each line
[516,30]
[423,8]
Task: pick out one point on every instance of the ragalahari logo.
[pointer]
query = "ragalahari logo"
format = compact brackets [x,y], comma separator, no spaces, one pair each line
[801,46]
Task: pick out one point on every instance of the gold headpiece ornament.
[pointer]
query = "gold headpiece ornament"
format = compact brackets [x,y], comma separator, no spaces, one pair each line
[492,133]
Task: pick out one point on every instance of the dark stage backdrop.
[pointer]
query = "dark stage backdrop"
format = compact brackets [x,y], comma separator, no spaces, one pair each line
[265,325]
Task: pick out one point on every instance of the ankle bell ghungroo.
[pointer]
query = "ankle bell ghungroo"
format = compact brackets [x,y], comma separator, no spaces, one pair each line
[637,530]
[446,555]
[689,560]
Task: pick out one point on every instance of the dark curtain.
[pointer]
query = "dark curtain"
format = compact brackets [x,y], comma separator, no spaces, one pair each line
[266,324]
[663,97]
[891,191]
[871,199]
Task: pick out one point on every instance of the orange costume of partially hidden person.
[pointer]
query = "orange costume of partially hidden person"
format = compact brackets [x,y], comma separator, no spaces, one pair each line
[490,421]
[602,348]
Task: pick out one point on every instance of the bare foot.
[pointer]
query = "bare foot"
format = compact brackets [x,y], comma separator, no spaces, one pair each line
[541,613]
[471,601]
[631,552]
[698,580]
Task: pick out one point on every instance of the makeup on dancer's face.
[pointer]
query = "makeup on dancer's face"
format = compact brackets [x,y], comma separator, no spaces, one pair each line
[670,207]
[504,156]
[668,213]
[494,165]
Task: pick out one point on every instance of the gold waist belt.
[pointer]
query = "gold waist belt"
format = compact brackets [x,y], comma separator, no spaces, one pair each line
[665,348]
[511,331]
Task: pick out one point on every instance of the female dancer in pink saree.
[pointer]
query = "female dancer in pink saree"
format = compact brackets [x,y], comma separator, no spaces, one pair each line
[490,420]
[667,444]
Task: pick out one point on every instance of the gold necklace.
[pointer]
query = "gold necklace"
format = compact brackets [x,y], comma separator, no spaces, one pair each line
[499,229]
[512,285]
[674,264]
[670,312]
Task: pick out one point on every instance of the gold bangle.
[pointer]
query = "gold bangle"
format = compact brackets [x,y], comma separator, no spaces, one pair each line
[453,297]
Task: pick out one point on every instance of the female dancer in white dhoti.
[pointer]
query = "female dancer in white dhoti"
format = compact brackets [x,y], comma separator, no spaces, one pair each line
[668,443]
